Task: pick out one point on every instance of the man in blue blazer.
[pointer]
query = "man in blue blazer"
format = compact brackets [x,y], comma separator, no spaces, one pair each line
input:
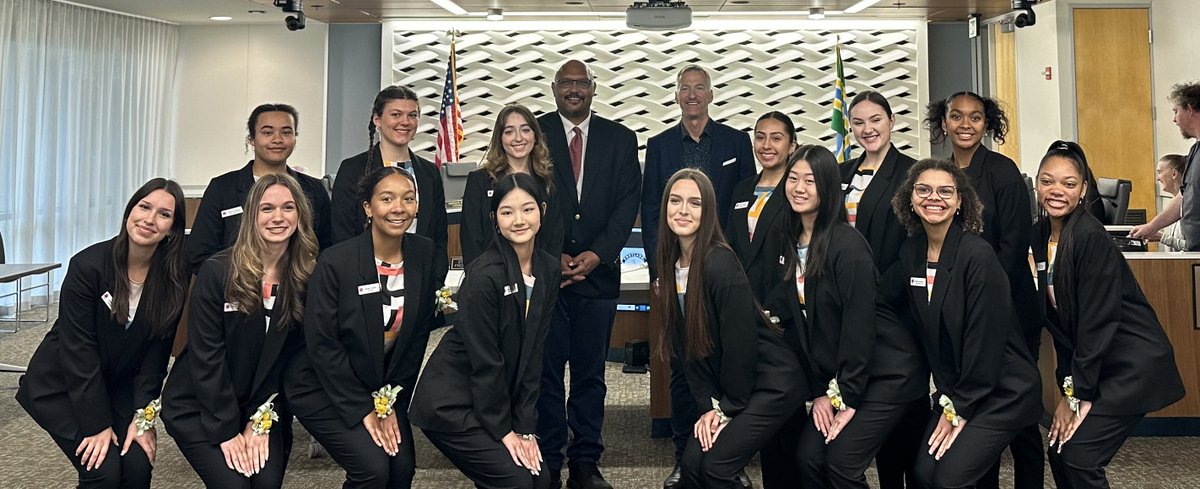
[596,182]
[721,152]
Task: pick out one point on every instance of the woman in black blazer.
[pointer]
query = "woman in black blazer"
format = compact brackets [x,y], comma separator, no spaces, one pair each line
[1115,363]
[517,146]
[367,321]
[477,398]
[100,368]
[869,182]
[966,118]
[221,399]
[395,116]
[987,385]
[757,206]
[745,380]
[863,366]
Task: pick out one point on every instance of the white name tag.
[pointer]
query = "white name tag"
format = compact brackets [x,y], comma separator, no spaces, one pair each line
[741,205]
[230,307]
[916,281]
[232,211]
[489,193]
[510,290]
[782,260]
[107,298]
[845,186]
[368,289]
[729,162]
[1041,266]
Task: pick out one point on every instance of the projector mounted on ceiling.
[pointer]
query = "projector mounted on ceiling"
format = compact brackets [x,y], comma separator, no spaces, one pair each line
[658,15]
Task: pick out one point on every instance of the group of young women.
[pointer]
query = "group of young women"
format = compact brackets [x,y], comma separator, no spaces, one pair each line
[846,313]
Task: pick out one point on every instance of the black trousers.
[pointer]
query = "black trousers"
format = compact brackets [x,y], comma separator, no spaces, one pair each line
[684,412]
[1029,467]
[209,463]
[974,452]
[366,465]
[718,468]
[131,471]
[484,460]
[579,334]
[1083,459]
[895,459]
[778,455]
[843,462]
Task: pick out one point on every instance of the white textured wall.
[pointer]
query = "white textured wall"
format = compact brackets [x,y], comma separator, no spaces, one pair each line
[224,72]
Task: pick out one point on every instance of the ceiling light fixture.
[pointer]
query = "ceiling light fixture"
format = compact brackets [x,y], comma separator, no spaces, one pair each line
[860,6]
[450,7]
[816,13]
[495,14]
[221,18]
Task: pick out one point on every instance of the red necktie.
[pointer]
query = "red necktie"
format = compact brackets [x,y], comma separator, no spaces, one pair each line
[576,149]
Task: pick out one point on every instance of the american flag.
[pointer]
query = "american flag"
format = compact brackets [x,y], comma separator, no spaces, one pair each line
[450,128]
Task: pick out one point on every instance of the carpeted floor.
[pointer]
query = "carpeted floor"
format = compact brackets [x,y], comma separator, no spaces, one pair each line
[28,458]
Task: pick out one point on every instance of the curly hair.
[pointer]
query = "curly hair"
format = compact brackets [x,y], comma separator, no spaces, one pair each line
[995,121]
[495,160]
[971,208]
[1185,95]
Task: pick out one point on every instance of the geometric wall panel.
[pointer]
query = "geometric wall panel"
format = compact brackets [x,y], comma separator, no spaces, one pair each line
[753,71]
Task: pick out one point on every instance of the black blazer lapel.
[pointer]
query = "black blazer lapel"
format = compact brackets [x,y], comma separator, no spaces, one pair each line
[425,172]
[530,321]
[877,197]
[413,270]
[272,345]
[770,210]
[372,303]
[943,282]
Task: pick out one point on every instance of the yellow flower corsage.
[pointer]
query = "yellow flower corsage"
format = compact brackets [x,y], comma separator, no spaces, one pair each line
[445,300]
[948,410]
[385,397]
[720,414]
[145,417]
[835,395]
[1069,391]
[264,417]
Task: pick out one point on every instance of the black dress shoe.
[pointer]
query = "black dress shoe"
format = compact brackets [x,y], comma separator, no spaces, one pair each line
[744,480]
[586,476]
[675,480]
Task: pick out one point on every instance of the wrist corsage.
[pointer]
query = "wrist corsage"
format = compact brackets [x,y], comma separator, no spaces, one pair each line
[264,417]
[385,397]
[835,395]
[445,300]
[1069,391]
[948,410]
[720,414]
[145,417]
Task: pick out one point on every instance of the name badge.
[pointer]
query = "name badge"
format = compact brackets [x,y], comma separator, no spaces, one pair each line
[107,298]
[368,289]
[729,162]
[232,211]
[845,187]
[510,290]
[1041,266]
[741,205]
[230,307]
[916,281]
[489,193]
[782,260]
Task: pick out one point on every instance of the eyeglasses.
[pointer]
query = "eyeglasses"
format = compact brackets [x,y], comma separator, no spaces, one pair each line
[924,191]
[580,84]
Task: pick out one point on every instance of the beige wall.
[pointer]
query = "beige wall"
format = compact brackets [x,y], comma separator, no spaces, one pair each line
[224,72]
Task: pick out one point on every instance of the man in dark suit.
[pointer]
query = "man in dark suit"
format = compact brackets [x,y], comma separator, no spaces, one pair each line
[724,154]
[596,182]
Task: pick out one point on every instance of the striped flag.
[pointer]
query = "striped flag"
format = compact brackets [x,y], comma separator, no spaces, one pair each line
[839,121]
[450,128]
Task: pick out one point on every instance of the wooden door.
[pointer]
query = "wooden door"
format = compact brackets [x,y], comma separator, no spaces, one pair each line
[1113,98]
[1004,88]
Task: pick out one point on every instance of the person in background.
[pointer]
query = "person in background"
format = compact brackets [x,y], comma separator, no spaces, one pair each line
[1115,363]
[1169,173]
[93,382]
[1185,207]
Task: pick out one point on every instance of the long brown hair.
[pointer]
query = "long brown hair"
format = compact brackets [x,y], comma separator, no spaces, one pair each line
[246,271]
[697,342]
[495,161]
[166,282]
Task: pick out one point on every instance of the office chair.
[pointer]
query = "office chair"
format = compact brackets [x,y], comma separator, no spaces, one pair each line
[1114,193]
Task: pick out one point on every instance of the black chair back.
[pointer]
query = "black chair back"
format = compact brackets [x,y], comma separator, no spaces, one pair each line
[1115,195]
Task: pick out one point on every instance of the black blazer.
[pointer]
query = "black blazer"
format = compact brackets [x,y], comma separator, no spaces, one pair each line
[601,218]
[750,368]
[345,361]
[90,373]
[844,329]
[969,332]
[759,264]
[486,372]
[875,219]
[1111,342]
[730,161]
[231,365]
[349,221]
[477,230]
[220,214]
